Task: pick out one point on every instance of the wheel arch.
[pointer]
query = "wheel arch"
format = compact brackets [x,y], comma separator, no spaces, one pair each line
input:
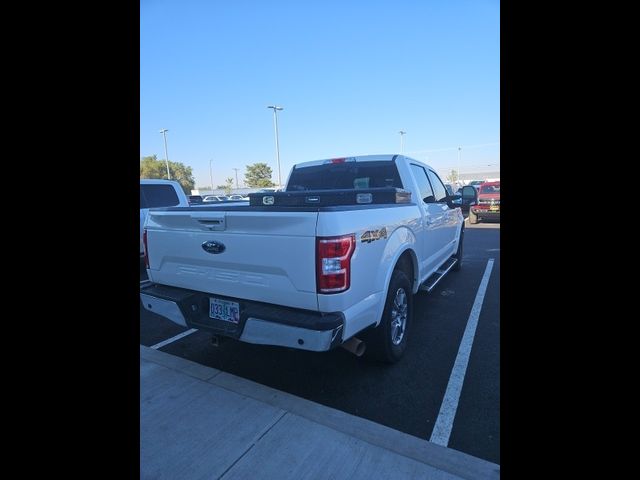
[400,251]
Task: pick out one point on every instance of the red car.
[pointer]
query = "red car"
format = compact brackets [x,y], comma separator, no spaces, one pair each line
[488,205]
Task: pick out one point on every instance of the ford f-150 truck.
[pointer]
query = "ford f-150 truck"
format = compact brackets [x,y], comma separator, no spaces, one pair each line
[334,260]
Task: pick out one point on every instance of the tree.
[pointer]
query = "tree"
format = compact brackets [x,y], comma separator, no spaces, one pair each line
[228,185]
[151,167]
[258,175]
[453,176]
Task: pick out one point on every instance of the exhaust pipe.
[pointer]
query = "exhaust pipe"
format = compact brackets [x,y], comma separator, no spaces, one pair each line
[355,346]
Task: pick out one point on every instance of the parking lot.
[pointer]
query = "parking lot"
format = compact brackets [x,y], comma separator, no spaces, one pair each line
[409,396]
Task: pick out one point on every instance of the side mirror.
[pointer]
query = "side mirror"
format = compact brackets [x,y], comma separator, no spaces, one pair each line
[469,195]
[454,201]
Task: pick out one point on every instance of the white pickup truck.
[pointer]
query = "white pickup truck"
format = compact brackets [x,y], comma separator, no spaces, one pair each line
[334,260]
[159,193]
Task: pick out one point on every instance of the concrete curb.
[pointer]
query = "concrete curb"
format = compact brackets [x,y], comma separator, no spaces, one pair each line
[446,459]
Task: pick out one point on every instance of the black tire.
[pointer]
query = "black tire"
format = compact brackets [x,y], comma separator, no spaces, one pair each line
[473,218]
[380,346]
[459,251]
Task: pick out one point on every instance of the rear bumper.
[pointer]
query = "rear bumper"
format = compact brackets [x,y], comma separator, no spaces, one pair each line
[259,323]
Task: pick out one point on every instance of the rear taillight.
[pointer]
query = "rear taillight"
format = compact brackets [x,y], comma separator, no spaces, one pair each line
[146,249]
[333,263]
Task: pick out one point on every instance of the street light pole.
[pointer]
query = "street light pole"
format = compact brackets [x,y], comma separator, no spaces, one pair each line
[166,155]
[402,133]
[275,120]
[211,175]
[459,148]
[236,178]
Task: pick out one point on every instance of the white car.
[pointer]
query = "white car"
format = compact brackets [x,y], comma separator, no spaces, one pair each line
[214,198]
[159,193]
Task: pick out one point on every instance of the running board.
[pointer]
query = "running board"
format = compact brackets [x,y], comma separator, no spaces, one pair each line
[438,275]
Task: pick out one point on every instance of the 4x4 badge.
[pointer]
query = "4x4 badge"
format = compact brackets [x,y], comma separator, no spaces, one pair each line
[213,247]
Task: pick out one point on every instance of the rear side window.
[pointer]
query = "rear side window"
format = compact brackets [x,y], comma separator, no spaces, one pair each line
[345,175]
[426,193]
[152,196]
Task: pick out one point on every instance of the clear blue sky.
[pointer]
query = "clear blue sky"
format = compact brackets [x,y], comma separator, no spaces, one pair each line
[349,74]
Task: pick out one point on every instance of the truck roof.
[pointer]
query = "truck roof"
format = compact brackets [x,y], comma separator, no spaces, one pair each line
[158,181]
[352,158]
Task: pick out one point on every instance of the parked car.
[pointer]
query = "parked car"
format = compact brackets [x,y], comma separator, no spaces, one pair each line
[237,197]
[488,205]
[195,199]
[333,261]
[159,193]
[214,198]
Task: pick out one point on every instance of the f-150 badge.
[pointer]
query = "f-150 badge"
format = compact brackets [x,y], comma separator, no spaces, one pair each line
[373,235]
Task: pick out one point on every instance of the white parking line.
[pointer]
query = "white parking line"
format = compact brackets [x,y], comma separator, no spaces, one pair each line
[444,422]
[173,339]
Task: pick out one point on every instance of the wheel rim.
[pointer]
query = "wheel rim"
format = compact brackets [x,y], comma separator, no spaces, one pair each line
[399,316]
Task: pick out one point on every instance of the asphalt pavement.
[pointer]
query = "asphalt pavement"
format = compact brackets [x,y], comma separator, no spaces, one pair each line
[405,397]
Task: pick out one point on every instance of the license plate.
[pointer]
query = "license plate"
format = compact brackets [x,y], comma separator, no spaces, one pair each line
[224,310]
[495,208]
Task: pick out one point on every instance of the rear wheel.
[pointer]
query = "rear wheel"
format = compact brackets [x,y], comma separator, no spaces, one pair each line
[388,341]
[473,218]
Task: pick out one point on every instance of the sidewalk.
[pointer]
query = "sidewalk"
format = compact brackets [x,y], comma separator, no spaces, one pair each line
[201,423]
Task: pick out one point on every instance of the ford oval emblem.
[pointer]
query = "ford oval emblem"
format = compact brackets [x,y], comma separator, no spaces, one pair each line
[268,200]
[213,247]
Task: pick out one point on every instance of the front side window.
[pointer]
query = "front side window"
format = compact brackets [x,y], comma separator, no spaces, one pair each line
[438,187]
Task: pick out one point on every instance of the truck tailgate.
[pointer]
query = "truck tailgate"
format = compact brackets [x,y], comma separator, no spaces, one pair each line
[267,256]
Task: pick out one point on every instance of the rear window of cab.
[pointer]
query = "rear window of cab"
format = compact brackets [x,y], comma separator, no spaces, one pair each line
[346,175]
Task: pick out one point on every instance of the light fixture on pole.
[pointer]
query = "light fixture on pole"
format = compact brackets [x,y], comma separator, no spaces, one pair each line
[275,122]
[211,175]
[166,155]
[402,134]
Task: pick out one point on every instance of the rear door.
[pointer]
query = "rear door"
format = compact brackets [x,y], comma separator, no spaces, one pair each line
[448,218]
[430,230]
[254,255]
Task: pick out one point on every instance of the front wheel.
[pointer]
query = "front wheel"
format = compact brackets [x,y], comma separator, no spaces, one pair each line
[388,341]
